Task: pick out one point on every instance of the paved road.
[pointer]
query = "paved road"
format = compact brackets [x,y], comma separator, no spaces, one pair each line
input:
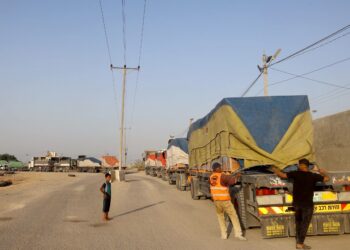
[147,214]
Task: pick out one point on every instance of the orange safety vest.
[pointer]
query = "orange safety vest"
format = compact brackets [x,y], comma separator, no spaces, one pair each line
[218,192]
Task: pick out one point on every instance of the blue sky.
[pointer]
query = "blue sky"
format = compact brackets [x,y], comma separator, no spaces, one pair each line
[57,92]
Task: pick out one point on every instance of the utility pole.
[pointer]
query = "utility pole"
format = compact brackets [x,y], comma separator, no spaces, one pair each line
[125,69]
[125,146]
[266,61]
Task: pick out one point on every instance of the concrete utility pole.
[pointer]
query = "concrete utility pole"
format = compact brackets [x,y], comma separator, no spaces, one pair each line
[264,57]
[120,173]
[266,61]
[125,147]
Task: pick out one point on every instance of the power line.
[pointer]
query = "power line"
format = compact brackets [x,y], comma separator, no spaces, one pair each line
[108,51]
[310,79]
[142,29]
[303,51]
[139,61]
[330,93]
[105,31]
[323,44]
[312,45]
[124,29]
[304,74]
[332,97]
[251,85]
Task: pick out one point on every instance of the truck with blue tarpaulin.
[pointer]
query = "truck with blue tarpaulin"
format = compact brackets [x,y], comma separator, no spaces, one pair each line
[250,134]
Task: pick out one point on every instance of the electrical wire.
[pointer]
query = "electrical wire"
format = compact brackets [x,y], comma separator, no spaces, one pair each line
[330,93]
[323,44]
[313,80]
[332,98]
[109,54]
[139,61]
[142,30]
[304,74]
[124,29]
[251,85]
[311,45]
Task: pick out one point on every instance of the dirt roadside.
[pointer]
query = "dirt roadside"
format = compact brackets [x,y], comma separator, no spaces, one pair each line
[28,186]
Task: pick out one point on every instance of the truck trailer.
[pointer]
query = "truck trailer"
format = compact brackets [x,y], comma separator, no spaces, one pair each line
[161,164]
[149,159]
[248,135]
[177,162]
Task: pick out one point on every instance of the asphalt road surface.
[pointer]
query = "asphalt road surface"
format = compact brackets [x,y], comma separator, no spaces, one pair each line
[147,214]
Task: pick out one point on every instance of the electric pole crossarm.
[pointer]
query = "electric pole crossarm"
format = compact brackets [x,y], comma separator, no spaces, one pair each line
[115,67]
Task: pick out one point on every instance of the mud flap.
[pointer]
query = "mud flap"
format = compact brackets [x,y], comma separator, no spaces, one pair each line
[346,223]
[330,224]
[274,227]
[312,230]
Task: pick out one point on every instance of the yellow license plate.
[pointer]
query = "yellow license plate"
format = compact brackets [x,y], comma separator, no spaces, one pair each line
[327,208]
[318,208]
[318,197]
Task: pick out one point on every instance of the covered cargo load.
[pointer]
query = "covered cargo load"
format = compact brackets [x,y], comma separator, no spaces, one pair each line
[177,153]
[161,158]
[274,130]
[150,158]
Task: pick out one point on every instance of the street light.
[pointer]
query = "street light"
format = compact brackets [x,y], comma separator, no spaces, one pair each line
[266,63]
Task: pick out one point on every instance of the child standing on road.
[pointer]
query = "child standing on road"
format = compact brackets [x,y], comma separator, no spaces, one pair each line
[107,195]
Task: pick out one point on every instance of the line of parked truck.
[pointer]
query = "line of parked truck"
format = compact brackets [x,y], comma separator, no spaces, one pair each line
[51,162]
[247,136]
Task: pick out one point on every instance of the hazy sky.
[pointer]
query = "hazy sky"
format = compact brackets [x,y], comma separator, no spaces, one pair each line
[56,87]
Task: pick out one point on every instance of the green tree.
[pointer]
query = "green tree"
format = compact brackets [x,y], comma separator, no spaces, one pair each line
[138,164]
[8,157]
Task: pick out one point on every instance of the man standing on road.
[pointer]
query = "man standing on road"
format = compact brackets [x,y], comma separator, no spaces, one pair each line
[106,190]
[219,189]
[304,183]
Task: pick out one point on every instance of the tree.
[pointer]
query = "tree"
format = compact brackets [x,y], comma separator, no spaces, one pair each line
[8,157]
[138,164]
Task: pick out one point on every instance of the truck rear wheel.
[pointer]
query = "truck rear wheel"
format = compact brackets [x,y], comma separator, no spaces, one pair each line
[177,182]
[169,180]
[240,206]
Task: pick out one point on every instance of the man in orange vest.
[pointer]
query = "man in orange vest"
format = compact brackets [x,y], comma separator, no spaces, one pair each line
[219,189]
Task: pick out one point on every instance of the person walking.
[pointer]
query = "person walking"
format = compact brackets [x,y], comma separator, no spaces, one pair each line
[106,190]
[219,189]
[304,183]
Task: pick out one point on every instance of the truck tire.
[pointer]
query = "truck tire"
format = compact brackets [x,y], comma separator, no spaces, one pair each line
[170,181]
[239,203]
[177,182]
[194,190]
[164,177]
[5,183]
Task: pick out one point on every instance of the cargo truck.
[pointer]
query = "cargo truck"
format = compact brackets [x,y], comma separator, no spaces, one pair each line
[248,135]
[149,159]
[161,164]
[177,163]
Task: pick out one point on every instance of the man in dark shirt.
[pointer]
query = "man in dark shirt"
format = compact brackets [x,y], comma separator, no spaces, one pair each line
[304,183]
